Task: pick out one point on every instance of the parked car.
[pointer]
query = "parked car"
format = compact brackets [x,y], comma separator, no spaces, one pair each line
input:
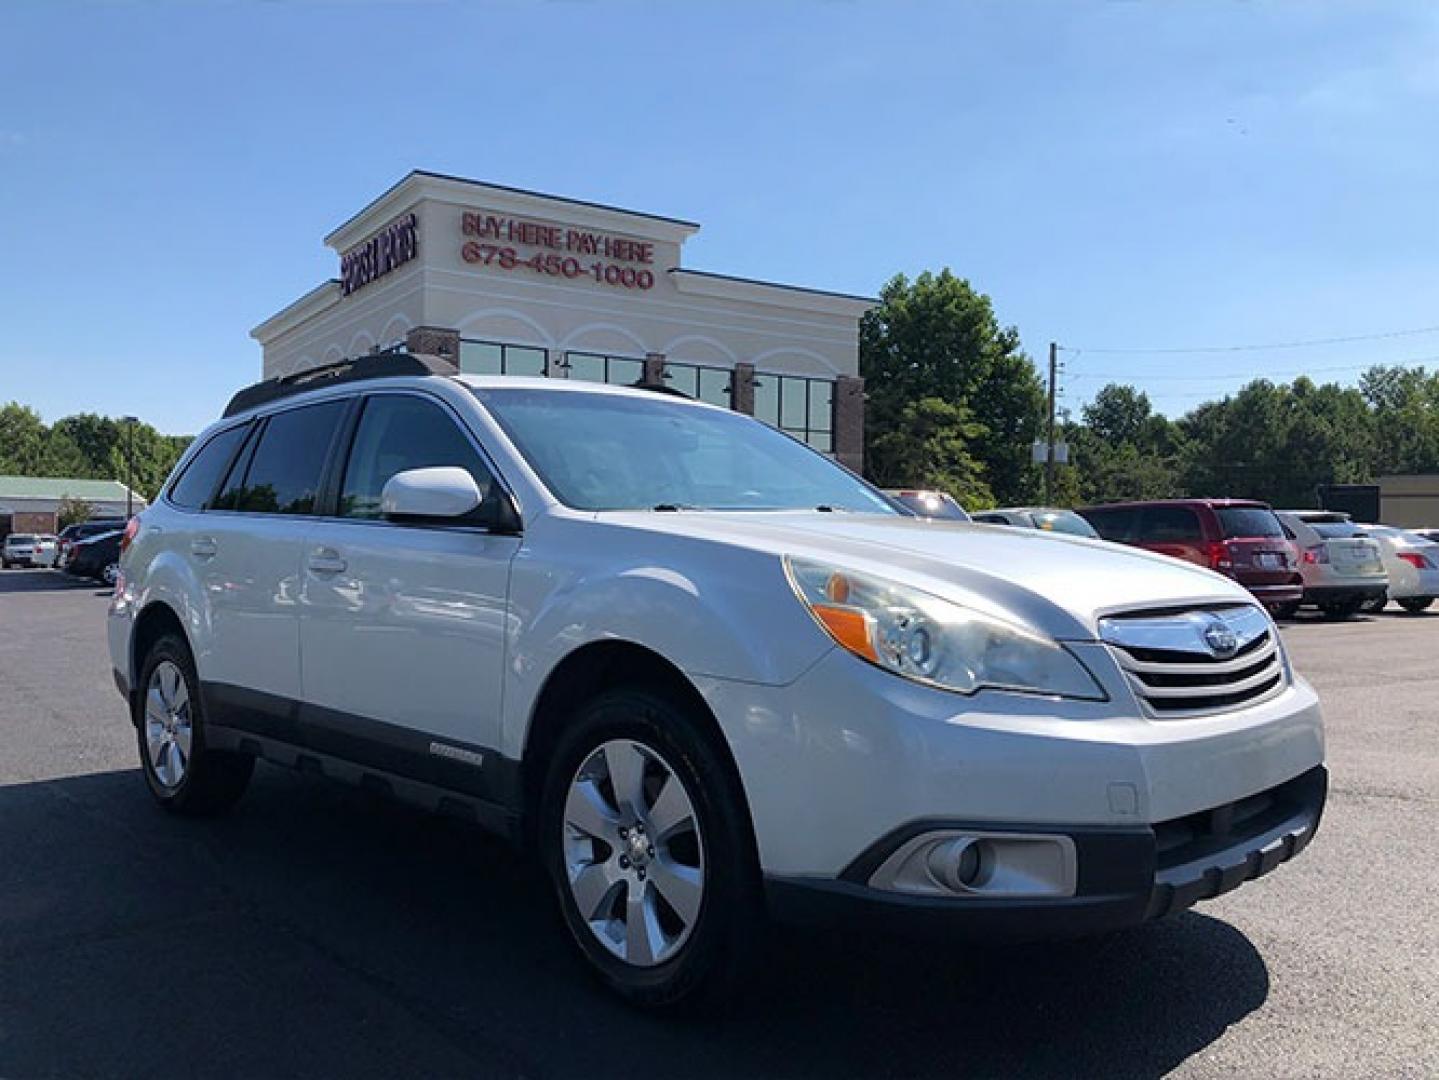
[1048,519]
[1238,538]
[1412,563]
[930,504]
[704,673]
[20,549]
[85,529]
[1343,570]
[96,557]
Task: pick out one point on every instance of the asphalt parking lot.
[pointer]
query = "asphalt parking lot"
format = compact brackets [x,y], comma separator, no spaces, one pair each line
[317,932]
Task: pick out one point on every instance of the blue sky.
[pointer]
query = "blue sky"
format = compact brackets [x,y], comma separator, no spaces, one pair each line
[1113,174]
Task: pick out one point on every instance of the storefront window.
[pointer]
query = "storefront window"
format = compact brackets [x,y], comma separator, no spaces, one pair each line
[801,406]
[594,367]
[699,381]
[496,358]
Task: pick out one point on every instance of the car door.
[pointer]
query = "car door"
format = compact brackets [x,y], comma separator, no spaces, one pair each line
[246,552]
[403,624]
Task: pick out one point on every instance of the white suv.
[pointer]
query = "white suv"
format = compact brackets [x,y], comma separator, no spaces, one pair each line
[706,674]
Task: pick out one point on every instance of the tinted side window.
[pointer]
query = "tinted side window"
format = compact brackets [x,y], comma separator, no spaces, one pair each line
[1171,525]
[399,432]
[1116,524]
[282,475]
[202,476]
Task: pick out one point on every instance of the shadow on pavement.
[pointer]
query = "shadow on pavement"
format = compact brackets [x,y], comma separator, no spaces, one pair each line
[35,581]
[317,932]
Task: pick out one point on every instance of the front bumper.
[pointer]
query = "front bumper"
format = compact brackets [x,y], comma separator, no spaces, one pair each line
[1126,876]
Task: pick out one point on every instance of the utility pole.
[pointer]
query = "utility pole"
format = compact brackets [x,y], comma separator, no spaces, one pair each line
[130,422]
[1049,455]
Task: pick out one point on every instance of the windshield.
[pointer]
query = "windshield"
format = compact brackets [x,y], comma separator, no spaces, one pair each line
[19,538]
[1063,521]
[1336,530]
[617,452]
[1248,521]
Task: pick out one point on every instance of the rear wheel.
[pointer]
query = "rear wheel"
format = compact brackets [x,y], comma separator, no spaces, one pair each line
[184,775]
[644,833]
[1415,604]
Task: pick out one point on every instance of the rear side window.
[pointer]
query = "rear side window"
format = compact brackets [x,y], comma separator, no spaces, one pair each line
[1063,521]
[1248,521]
[202,476]
[399,432]
[1116,524]
[280,474]
[1171,525]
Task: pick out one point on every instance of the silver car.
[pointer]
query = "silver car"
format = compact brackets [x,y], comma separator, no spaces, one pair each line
[1342,568]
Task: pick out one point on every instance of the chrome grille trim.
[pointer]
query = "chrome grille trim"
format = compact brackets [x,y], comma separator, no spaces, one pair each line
[1197,663]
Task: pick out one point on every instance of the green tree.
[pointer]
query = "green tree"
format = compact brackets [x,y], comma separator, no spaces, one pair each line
[936,337]
[22,440]
[73,511]
[1405,405]
[930,449]
[1123,449]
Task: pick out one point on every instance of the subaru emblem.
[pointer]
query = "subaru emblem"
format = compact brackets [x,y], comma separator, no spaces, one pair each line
[1222,641]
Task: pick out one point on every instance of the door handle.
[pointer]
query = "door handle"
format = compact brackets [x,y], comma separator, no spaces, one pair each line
[203,547]
[327,561]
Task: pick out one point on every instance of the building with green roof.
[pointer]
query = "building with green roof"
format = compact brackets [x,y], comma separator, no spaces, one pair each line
[29,504]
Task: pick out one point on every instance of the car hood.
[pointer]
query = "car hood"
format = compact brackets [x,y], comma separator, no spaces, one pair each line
[1056,584]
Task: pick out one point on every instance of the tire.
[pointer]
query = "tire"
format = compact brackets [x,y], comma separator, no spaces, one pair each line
[699,948]
[1375,606]
[169,719]
[1286,611]
[1415,604]
[1345,609]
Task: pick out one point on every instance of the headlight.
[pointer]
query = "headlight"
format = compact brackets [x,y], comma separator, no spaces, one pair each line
[931,640]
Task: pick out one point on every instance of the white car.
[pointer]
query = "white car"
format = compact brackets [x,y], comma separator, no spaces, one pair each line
[1412,563]
[1342,568]
[20,549]
[703,673]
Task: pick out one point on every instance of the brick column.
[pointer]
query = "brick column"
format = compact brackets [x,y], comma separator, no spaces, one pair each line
[435,341]
[849,422]
[654,374]
[741,397]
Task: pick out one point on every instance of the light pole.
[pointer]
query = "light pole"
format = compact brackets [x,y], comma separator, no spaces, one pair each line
[129,422]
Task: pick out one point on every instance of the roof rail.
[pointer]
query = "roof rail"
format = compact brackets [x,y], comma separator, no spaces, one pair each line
[356,369]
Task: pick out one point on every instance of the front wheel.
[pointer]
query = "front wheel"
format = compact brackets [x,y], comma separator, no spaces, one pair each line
[646,837]
[1415,604]
[184,775]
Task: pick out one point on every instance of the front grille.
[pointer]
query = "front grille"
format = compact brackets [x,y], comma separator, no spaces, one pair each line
[1194,663]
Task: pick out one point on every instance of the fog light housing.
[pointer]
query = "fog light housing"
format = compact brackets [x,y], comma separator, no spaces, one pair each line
[981,864]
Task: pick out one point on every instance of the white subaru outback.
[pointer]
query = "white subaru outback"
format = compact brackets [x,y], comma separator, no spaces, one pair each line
[705,673]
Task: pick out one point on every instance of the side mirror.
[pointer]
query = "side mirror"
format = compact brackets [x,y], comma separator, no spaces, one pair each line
[446,491]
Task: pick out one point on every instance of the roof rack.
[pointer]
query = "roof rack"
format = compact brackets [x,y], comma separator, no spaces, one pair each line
[374,366]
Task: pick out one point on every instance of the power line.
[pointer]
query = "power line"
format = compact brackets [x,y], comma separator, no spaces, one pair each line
[1131,349]
[1251,375]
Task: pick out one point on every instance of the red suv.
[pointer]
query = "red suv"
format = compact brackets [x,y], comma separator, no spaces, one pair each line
[1237,538]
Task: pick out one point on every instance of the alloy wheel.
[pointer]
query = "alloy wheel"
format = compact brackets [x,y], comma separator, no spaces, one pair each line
[633,852]
[168,724]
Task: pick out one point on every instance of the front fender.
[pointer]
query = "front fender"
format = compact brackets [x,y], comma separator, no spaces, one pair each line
[710,609]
